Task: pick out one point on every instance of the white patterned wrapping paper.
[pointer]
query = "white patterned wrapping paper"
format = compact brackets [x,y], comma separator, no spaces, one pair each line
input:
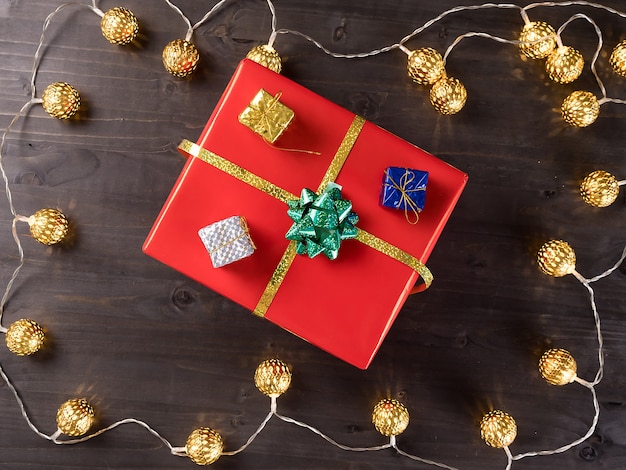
[227,240]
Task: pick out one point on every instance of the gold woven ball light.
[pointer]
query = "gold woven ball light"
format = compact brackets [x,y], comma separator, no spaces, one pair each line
[425,66]
[599,188]
[75,417]
[618,59]
[498,429]
[204,446]
[272,377]
[266,56]
[448,95]
[538,40]
[60,100]
[390,417]
[180,58]
[557,366]
[556,258]
[580,108]
[564,64]
[48,226]
[24,337]
[119,26]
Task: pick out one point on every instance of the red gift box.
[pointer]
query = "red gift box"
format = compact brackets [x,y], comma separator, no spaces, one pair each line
[344,306]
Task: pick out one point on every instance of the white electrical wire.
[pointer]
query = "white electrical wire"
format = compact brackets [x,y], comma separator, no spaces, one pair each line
[191,28]
[181,451]
[592,428]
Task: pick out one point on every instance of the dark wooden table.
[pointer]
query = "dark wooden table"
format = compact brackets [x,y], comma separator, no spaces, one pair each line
[140,340]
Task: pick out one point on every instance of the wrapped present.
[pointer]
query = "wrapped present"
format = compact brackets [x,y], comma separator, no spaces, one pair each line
[227,240]
[345,305]
[404,189]
[266,116]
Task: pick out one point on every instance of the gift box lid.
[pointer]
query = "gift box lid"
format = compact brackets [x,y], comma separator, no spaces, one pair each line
[344,306]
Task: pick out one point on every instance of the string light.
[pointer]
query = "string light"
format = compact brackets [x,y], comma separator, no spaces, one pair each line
[557,366]
[24,337]
[204,446]
[272,377]
[448,95]
[580,108]
[425,66]
[180,57]
[48,226]
[390,417]
[556,258]
[498,429]
[537,40]
[119,26]
[60,100]
[618,59]
[600,188]
[75,417]
[564,64]
[267,56]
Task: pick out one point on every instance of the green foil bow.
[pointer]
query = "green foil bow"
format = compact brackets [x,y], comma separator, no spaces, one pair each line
[321,222]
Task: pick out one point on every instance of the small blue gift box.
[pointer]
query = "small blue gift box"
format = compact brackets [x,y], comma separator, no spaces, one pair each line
[404,189]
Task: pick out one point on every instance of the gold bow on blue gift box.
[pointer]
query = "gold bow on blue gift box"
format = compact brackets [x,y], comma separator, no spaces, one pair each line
[404,189]
[266,116]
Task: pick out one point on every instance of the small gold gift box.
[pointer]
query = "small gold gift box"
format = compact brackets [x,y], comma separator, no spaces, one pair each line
[266,116]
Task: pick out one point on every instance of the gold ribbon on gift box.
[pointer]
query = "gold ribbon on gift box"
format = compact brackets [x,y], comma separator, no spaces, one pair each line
[266,116]
[283,195]
[405,199]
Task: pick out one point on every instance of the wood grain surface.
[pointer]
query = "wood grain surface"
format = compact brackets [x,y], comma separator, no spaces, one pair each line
[141,341]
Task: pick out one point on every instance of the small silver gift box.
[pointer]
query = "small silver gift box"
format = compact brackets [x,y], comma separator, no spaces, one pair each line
[227,240]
